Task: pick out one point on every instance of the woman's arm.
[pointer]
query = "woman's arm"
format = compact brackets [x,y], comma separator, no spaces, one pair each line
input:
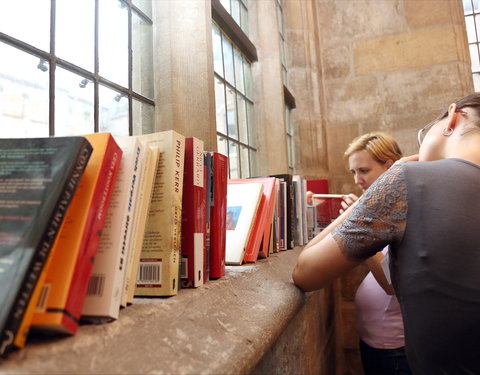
[375,266]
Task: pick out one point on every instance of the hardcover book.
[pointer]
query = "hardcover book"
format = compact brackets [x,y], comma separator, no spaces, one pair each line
[105,286]
[193,215]
[242,204]
[328,208]
[218,213]
[160,257]
[38,178]
[208,168]
[74,250]
[290,213]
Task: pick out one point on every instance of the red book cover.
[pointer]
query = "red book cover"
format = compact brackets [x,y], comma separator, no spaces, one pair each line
[318,186]
[263,219]
[74,250]
[328,208]
[218,216]
[193,215]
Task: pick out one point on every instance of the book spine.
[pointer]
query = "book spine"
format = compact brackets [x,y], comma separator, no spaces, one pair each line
[41,254]
[92,233]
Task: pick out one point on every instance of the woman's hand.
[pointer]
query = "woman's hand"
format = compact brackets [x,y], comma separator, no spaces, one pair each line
[309,198]
[347,202]
[407,159]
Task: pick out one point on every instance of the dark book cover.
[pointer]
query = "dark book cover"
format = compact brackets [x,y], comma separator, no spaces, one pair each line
[288,178]
[38,178]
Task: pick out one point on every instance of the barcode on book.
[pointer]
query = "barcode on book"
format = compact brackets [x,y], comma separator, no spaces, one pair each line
[96,285]
[42,299]
[149,273]
[183,268]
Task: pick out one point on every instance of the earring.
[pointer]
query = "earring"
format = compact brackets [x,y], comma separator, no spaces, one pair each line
[447,132]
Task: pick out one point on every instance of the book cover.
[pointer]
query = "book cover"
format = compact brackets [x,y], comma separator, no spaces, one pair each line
[328,207]
[146,179]
[38,178]
[105,286]
[74,250]
[290,213]
[282,215]
[193,215]
[160,256]
[298,209]
[218,212]
[242,204]
[257,244]
[207,164]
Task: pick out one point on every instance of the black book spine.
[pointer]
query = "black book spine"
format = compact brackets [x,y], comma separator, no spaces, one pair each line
[43,250]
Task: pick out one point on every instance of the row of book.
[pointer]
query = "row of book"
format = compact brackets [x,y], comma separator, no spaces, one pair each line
[87,223]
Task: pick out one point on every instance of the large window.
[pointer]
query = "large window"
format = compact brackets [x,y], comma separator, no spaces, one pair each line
[472,21]
[239,12]
[71,68]
[236,133]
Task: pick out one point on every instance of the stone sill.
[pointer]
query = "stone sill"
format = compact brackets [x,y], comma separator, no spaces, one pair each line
[222,327]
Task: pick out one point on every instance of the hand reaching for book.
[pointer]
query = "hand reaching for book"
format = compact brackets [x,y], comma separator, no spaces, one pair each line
[348,200]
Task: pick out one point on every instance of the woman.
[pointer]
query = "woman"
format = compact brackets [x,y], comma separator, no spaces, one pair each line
[379,318]
[428,213]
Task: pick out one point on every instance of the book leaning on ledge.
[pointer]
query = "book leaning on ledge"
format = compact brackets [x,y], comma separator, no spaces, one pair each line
[73,253]
[38,178]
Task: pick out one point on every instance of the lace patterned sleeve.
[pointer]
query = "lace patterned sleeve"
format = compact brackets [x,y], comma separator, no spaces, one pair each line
[378,219]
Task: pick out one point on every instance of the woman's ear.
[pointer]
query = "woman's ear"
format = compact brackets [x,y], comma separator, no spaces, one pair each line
[389,163]
[452,116]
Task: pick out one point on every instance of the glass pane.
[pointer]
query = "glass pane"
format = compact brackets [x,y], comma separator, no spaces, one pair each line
[222,145]
[235,13]
[467,6]
[474,57]
[217,51]
[228,60]
[144,5]
[252,129]
[288,123]
[470,29]
[280,20]
[113,112]
[289,151]
[143,118]
[242,118]
[220,106]
[231,114]
[226,5]
[245,162]
[73,104]
[71,44]
[477,25]
[239,83]
[247,71]
[244,19]
[113,41]
[476,81]
[23,94]
[34,27]
[233,160]
[476,6]
[142,57]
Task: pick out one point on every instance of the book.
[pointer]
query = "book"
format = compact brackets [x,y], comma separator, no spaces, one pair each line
[145,189]
[289,209]
[160,255]
[282,215]
[38,178]
[194,213]
[328,207]
[218,212]
[259,239]
[106,283]
[208,175]
[242,204]
[74,250]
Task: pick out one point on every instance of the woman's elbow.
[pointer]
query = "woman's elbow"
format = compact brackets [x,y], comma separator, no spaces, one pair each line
[303,281]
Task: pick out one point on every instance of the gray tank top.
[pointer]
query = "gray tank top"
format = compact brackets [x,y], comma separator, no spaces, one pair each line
[429,214]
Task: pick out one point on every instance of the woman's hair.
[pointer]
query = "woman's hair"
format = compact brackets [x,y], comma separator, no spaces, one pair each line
[471,101]
[380,145]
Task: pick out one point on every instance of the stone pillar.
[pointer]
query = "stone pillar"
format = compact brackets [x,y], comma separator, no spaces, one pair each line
[183,66]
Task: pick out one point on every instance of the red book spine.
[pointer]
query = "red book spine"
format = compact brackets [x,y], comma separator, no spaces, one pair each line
[193,213]
[91,235]
[218,219]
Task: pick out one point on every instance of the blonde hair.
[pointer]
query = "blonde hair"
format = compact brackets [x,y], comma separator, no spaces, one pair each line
[380,145]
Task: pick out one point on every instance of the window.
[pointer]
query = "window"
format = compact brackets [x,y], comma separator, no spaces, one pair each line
[289,133]
[281,30]
[239,12]
[76,68]
[236,133]
[472,21]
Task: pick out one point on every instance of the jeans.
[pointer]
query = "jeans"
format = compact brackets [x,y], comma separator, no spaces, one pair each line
[384,361]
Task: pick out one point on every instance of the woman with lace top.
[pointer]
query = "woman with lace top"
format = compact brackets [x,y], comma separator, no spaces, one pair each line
[427,211]
[378,314]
